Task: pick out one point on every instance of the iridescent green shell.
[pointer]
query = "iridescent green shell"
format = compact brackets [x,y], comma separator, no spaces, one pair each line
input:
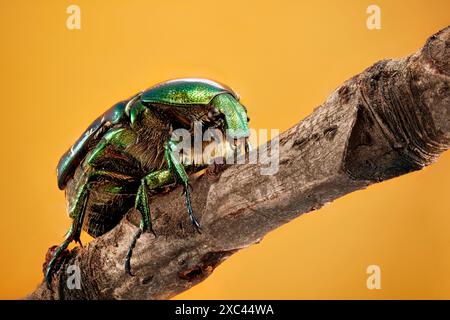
[178,92]
[186,91]
[72,157]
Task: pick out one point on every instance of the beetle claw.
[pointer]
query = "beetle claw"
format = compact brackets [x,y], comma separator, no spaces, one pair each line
[54,260]
[196,225]
[130,252]
[128,268]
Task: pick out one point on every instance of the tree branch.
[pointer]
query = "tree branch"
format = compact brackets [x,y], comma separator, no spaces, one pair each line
[391,119]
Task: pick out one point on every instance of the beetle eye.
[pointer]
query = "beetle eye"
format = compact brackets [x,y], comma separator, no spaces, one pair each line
[248,119]
[213,114]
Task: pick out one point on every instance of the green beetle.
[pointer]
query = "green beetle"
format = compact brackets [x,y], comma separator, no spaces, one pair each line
[128,151]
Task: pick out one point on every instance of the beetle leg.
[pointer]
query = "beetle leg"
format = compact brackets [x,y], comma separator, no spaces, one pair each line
[77,213]
[141,204]
[118,138]
[149,182]
[178,170]
[72,234]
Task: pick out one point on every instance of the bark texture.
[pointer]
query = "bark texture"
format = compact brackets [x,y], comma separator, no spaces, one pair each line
[391,119]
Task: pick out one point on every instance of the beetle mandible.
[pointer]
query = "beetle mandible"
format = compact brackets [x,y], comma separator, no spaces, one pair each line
[128,151]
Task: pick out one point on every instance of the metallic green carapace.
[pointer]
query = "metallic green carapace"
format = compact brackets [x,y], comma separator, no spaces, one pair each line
[71,158]
[127,152]
[185,92]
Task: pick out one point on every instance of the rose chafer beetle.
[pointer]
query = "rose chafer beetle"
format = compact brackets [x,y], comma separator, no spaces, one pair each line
[128,152]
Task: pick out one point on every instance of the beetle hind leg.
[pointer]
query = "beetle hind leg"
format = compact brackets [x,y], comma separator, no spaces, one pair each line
[72,235]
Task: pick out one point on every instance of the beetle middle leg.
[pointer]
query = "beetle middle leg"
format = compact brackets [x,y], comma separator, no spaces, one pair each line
[151,181]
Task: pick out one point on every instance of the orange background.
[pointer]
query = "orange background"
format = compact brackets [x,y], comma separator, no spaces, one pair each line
[284,58]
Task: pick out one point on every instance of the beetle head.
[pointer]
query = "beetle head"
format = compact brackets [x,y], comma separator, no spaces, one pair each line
[223,112]
[224,107]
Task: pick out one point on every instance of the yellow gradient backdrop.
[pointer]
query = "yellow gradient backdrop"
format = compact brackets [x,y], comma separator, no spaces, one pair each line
[284,58]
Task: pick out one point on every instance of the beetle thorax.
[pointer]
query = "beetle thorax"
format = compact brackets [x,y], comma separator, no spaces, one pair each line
[152,130]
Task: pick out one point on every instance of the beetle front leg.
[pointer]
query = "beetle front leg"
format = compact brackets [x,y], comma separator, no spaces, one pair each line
[178,170]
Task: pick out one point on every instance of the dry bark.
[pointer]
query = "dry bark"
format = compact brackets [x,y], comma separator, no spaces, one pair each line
[391,119]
